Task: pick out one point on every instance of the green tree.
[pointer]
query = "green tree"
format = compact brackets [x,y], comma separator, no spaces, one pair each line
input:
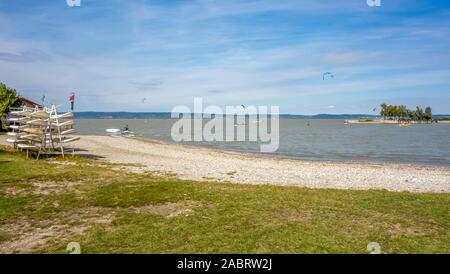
[401,112]
[419,114]
[8,99]
[394,112]
[428,114]
[383,111]
[389,111]
[410,114]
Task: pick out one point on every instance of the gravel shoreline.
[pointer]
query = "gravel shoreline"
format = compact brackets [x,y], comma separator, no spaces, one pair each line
[196,163]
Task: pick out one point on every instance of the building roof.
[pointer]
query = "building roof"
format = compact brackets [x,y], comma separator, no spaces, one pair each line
[29,103]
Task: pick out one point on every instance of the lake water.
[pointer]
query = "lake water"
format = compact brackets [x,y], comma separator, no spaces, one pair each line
[316,139]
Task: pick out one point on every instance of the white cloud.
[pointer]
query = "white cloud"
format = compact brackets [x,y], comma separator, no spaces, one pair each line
[171,53]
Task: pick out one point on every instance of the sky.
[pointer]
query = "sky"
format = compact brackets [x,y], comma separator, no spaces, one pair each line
[149,56]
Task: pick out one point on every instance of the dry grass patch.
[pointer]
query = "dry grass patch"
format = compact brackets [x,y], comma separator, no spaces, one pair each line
[28,235]
[168,210]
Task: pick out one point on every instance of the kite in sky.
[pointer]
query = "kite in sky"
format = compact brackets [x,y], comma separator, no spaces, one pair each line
[327,74]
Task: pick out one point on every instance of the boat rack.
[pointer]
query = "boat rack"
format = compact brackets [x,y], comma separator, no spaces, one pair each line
[41,131]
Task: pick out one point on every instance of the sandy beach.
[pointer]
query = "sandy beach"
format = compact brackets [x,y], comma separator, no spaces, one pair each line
[194,163]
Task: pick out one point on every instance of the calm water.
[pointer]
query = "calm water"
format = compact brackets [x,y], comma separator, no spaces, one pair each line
[320,140]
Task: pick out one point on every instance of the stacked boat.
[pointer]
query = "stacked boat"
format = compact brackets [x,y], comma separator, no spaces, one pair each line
[41,131]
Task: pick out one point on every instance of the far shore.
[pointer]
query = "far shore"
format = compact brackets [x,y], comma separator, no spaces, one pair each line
[205,164]
[393,122]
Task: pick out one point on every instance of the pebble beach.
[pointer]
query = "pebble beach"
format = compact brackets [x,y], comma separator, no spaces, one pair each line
[205,164]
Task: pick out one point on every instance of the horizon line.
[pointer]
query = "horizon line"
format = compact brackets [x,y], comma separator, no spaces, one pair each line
[167,112]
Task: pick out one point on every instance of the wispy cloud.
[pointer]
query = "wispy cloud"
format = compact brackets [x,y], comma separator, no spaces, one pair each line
[24,56]
[114,53]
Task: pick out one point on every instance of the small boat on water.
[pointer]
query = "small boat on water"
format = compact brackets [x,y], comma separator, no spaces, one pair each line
[115,132]
[404,125]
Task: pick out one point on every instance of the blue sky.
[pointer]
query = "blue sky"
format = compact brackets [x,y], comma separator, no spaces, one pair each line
[114,53]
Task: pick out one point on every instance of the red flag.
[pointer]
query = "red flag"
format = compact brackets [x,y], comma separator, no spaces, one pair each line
[72,100]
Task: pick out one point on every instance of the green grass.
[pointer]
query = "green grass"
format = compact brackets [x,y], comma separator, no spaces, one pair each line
[220,217]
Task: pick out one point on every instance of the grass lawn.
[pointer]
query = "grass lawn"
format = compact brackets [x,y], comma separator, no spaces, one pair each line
[46,204]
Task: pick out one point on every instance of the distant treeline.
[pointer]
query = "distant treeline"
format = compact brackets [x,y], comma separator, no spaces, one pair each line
[393,112]
[167,115]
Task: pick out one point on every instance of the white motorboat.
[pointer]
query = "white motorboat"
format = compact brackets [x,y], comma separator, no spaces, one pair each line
[119,132]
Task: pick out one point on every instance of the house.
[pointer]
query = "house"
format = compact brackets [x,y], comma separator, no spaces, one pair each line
[29,103]
[25,103]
